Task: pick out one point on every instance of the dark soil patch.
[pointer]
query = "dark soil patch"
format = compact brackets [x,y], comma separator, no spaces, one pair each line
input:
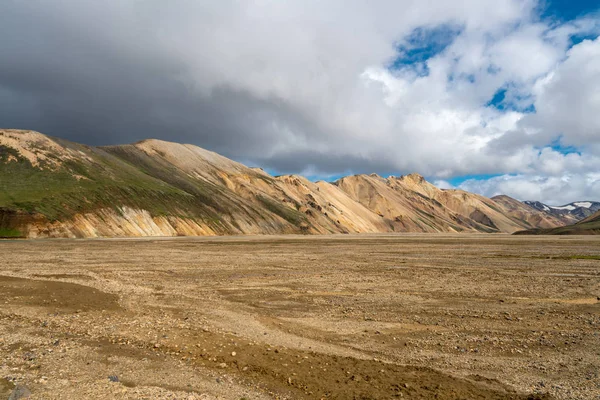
[106,348]
[6,387]
[60,296]
[309,375]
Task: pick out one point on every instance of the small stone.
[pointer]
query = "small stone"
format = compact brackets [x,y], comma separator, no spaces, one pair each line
[113,378]
[20,392]
[222,365]
[233,354]
[156,345]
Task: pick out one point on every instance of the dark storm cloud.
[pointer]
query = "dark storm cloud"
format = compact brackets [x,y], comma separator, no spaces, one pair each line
[86,86]
[307,161]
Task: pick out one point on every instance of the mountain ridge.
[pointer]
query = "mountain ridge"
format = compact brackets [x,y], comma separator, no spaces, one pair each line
[587,226]
[51,187]
[572,212]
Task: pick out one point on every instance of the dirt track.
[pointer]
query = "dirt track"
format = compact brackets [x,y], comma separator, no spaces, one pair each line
[345,317]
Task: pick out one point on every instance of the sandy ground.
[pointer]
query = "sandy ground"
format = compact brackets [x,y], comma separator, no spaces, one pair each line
[344,317]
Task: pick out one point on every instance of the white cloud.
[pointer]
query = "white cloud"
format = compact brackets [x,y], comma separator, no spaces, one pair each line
[568,99]
[552,190]
[442,184]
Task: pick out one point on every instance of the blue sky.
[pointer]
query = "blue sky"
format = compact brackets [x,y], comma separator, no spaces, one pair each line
[423,44]
[565,10]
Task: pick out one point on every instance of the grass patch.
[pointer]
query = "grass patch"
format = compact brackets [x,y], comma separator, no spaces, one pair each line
[547,257]
[292,216]
[10,233]
[584,257]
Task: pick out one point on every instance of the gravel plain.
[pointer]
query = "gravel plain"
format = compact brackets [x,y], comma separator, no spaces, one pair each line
[301,317]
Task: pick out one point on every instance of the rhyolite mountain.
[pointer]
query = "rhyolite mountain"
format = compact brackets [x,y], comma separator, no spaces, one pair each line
[50,187]
[532,216]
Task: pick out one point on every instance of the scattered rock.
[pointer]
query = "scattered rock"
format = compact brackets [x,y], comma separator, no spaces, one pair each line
[113,378]
[20,392]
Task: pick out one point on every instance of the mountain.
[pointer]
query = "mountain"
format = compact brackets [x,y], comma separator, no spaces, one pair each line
[587,226]
[571,212]
[410,203]
[54,188]
[531,216]
[51,187]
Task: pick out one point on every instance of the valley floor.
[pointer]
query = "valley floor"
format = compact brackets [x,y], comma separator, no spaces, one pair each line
[365,316]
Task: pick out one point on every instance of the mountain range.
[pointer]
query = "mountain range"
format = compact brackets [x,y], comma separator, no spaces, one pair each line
[50,187]
[587,226]
[576,211]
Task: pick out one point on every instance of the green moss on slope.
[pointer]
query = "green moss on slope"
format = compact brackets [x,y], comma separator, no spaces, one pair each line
[294,217]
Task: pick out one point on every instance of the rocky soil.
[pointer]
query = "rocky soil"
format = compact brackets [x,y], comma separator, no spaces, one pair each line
[332,317]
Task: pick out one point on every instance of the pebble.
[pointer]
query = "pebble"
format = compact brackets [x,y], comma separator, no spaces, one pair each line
[20,392]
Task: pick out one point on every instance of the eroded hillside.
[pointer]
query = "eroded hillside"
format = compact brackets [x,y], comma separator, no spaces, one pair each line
[51,187]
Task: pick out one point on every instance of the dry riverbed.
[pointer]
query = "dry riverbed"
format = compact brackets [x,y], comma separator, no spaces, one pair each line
[334,317]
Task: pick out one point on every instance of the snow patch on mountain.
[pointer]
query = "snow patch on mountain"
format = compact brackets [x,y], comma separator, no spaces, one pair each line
[567,207]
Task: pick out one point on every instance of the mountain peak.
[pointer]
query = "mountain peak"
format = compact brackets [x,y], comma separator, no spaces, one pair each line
[414,178]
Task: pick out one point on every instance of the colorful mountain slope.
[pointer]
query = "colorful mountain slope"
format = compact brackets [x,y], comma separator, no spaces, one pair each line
[51,187]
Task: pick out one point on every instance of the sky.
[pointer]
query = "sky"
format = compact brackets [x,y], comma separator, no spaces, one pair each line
[494,97]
